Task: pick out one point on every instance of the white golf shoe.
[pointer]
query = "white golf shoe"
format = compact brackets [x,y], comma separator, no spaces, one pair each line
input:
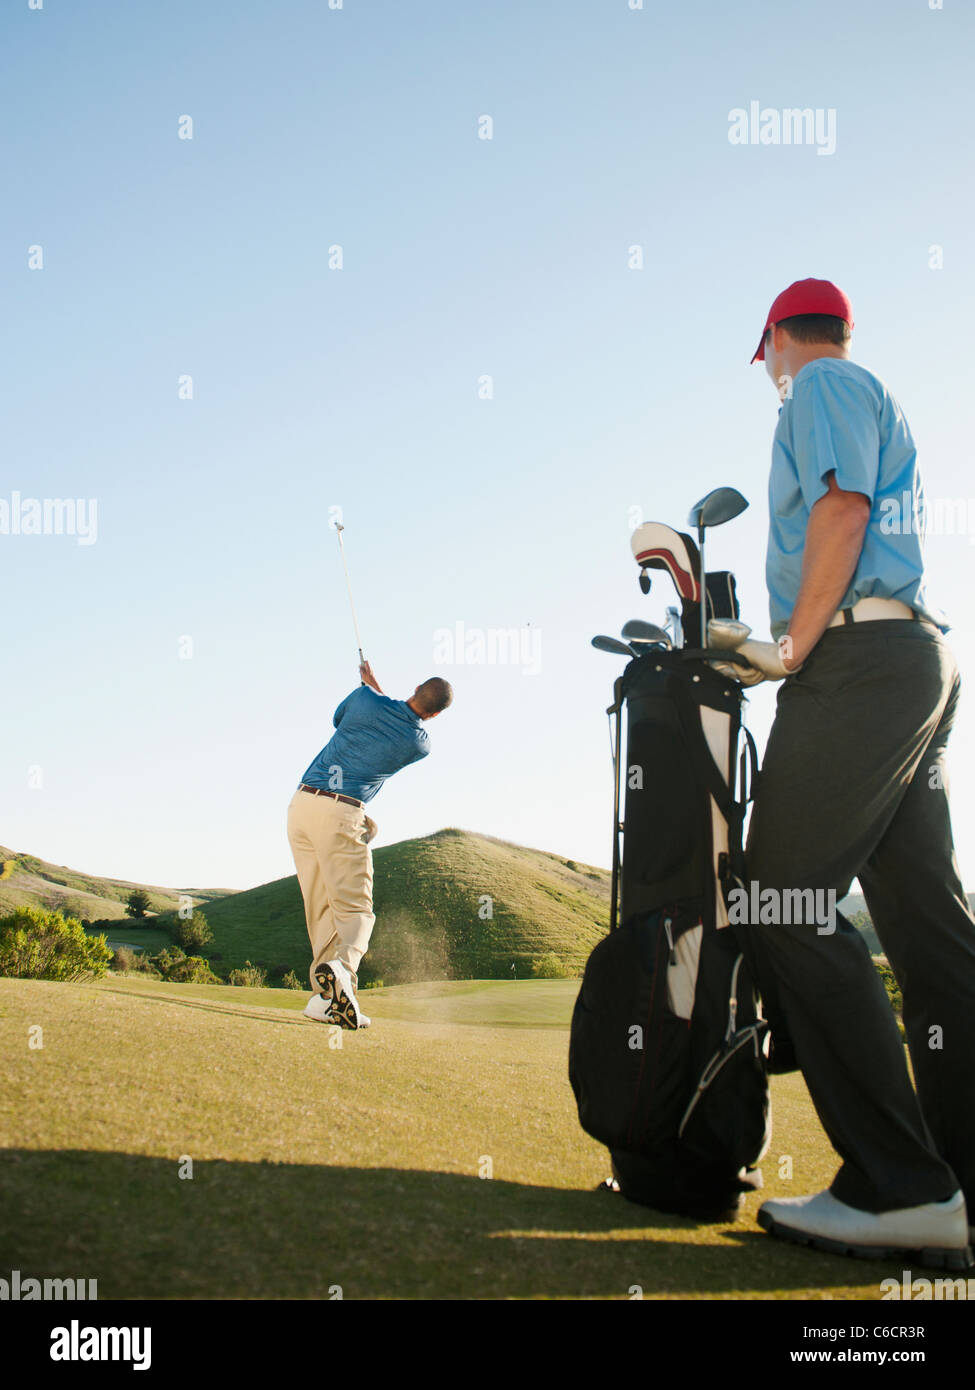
[338,988]
[319,1008]
[935,1235]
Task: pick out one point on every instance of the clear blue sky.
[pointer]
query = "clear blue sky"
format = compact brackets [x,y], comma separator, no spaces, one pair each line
[357,388]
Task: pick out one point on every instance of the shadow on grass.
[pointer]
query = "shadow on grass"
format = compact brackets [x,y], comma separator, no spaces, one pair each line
[266,1230]
[268,1013]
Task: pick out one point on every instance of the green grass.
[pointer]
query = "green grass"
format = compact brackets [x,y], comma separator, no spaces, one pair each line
[357,1165]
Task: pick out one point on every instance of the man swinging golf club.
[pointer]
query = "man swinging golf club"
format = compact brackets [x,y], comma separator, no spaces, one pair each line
[853,785]
[330,833]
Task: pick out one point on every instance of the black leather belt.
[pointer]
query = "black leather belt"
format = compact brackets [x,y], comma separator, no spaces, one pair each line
[320,791]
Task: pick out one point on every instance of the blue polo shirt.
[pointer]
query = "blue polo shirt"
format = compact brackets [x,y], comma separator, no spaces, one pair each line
[374,737]
[842,418]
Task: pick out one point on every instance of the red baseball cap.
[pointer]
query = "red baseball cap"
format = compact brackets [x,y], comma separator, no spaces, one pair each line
[806,297]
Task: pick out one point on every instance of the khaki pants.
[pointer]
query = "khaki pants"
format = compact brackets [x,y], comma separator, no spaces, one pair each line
[330,843]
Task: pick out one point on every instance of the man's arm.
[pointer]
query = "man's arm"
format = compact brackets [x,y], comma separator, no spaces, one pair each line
[834,538]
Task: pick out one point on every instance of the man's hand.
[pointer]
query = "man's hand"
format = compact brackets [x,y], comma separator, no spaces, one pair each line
[765,657]
[747,675]
[365,672]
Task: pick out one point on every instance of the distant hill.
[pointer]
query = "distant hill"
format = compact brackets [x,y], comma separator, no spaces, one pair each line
[29,881]
[453,905]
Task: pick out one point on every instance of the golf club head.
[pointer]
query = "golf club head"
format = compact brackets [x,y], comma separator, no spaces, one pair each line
[717,507]
[612,644]
[660,547]
[636,630]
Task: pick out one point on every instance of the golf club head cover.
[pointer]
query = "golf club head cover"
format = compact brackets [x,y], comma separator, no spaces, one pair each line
[727,634]
[722,595]
[659,547]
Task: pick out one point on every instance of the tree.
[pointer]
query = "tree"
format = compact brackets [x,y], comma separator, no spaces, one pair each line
[138,904]
[193,933]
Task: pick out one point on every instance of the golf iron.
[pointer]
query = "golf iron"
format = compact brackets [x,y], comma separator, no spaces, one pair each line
[717,507]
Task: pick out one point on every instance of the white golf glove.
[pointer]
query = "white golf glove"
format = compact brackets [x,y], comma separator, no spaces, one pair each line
[764,656]
[747,675]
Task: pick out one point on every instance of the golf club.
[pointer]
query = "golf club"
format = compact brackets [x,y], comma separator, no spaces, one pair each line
[613,644]
[676,627]
[339,529]
[637,631]
[718,506]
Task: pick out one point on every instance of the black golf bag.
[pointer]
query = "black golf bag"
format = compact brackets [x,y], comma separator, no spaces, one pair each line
[668,1048]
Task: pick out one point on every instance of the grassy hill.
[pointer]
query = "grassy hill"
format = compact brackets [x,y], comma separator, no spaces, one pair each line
[29,881]
[453,905]
[436,1155]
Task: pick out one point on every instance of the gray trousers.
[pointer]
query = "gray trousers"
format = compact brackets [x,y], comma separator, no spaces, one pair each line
[853,784]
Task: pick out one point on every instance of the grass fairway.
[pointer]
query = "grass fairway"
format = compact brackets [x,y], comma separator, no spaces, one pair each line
[359,1165]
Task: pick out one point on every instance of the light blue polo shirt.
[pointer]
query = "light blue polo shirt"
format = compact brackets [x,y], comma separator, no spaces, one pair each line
[842,418]
[374,737]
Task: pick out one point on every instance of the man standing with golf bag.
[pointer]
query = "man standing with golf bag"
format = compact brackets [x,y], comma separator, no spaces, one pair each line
[330,833]
[853,785]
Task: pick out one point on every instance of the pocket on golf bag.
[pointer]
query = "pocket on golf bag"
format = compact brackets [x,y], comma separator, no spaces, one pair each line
[728,1117]
[629,1053]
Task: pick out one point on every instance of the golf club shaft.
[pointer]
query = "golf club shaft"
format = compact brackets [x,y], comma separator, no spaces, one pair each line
[348,585]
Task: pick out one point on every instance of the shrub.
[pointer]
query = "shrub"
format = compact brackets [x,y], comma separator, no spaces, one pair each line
[291,981]
[123,960]
[193,970]
[548,967]
[249,974]
[40,945]
[173,964]
[192,933]
[143,964]
[7,868]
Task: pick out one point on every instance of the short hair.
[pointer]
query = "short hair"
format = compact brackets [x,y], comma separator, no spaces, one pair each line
[433,695]
[816,328]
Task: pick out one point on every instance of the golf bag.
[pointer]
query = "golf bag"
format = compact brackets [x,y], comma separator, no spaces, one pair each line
[668,1048]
